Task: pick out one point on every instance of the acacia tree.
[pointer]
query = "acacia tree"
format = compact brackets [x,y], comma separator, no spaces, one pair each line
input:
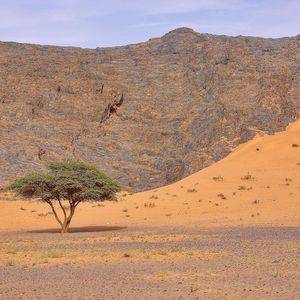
[74,182]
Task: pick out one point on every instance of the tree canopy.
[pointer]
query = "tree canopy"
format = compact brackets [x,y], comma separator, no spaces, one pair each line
[74,182]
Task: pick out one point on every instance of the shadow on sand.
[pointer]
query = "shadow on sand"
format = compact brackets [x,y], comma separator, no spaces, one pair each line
[80,229]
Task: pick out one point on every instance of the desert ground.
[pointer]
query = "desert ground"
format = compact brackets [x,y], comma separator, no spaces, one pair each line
[230,231]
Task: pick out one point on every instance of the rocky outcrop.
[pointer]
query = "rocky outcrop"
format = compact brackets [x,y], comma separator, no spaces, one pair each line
[111,108]
[147,114]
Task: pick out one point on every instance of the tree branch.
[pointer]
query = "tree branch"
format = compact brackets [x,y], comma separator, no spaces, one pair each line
[62,207]
[54,212]
[77,203]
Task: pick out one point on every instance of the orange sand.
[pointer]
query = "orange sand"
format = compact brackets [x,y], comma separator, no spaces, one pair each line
[270,198]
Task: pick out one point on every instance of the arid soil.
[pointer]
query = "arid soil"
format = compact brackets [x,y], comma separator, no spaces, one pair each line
[230,231]
[160,263]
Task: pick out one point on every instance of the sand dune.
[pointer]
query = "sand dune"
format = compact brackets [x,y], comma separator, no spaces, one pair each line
[258,183]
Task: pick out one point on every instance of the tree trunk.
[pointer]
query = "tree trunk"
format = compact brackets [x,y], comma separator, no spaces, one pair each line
[64,228]
[66,224]
[67,219]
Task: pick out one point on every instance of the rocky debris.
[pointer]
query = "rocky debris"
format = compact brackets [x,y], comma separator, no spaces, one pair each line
[190,98]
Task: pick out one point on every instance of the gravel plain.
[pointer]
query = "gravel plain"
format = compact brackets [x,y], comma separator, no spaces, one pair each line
[152,263]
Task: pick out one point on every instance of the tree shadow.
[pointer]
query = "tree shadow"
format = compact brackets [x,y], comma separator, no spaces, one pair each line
[80,229]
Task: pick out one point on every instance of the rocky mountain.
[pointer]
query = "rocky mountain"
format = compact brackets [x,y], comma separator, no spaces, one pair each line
[150,113]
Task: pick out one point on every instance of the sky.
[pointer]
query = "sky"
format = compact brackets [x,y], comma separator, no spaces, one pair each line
[102,23]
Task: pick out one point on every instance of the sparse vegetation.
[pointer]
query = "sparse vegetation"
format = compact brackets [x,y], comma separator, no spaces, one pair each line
[248,176]
[149,205]
[43,215]
[218,178]
[127,255]
[244,188]
[192,190]
[99,205]
[222,196]
[194,289]
[295,145]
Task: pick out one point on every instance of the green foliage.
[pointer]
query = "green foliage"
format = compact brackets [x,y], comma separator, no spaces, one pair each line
[72,181]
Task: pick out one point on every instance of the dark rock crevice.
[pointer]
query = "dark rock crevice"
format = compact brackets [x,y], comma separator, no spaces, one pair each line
[111,108]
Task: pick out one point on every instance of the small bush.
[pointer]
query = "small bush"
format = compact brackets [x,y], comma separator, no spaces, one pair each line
[248,176]
[295,145]
[42,215]
[218,178]
[149,205]
[99,205]
[222,196]
[192,190]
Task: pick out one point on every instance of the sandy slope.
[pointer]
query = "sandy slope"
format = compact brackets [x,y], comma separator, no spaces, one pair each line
[269,197]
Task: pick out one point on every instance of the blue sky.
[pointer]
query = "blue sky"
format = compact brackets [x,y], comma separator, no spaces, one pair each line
[97,23]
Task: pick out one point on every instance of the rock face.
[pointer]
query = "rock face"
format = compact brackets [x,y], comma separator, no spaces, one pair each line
[147,114]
